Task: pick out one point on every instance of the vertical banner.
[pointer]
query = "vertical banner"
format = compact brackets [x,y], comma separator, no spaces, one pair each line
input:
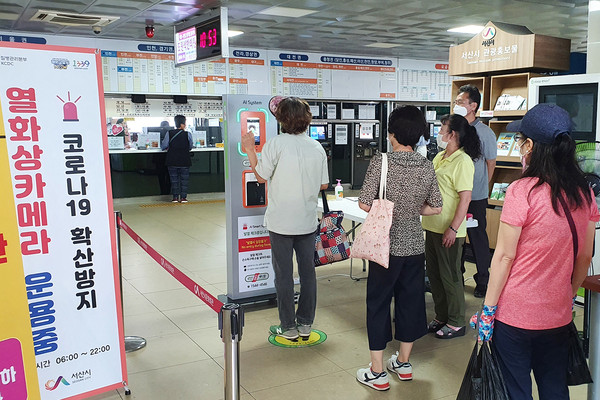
[62,327]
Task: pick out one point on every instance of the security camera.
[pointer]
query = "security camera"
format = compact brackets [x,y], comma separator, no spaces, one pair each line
[149,31]
[97,29]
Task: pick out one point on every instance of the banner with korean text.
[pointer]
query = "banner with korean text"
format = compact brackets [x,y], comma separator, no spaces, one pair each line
[57,244]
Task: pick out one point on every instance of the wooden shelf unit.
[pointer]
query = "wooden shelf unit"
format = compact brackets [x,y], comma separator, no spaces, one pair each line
[513,84]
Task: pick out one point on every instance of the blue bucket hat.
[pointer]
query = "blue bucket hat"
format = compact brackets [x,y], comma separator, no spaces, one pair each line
[543,123]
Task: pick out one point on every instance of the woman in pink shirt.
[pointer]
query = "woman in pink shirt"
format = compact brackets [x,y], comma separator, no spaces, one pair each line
[533,279]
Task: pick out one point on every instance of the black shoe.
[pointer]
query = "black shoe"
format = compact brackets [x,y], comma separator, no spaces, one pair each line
[480,291]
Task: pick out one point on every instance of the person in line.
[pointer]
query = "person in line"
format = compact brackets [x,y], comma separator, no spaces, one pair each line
[412,186]
[466,104]
[533,278]
[178,142]
[445,233]
[295,167]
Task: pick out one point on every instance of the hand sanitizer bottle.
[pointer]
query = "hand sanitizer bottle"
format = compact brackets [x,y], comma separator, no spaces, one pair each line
[339,190]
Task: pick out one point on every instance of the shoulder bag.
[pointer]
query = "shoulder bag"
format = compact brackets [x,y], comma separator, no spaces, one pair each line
[331,242]
[373,240]
[578,372]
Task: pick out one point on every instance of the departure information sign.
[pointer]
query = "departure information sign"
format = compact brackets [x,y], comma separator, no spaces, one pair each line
[202,38]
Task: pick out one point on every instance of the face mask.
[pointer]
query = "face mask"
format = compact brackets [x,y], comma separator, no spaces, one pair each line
[460,110]
[523,159]
[441,144]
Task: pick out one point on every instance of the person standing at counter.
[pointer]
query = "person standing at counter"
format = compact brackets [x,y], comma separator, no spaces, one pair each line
[295,167]
[178,142]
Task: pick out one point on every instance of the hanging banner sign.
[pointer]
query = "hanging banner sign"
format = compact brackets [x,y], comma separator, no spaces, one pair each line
[60,321]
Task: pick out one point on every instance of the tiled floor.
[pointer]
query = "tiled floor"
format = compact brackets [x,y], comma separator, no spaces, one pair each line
[184,356]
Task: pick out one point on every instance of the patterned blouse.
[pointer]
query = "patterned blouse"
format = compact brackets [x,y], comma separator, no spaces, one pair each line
[411,182]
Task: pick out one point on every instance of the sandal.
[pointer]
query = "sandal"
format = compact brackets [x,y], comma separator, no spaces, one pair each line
[449,333]
[435,326]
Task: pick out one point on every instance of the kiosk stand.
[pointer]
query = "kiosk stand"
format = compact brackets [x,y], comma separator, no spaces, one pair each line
[250,276]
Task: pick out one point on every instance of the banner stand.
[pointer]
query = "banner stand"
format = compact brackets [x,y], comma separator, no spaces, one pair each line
[132,343]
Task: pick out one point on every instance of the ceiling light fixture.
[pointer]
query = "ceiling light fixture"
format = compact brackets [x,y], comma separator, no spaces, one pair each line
[594,5]
[287,12]
[234,33]
[472,29]
[383,45]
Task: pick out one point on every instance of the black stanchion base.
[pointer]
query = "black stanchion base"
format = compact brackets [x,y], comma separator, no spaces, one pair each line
[250,301]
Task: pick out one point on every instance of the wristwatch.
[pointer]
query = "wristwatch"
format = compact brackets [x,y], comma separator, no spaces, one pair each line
[452,229]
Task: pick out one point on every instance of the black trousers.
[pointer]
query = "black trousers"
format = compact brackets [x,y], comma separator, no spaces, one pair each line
[405,281]
[480,243]
[544,351]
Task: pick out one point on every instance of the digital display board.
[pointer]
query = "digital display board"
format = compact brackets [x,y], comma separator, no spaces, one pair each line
[202,38]
[185,45]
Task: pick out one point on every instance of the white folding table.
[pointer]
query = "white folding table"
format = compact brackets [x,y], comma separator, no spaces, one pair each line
[351,210]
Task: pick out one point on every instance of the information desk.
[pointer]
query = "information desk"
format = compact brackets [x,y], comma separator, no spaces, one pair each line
[592,285]
[144,173]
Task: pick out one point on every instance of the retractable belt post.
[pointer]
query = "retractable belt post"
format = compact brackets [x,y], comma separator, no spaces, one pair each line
[231,322]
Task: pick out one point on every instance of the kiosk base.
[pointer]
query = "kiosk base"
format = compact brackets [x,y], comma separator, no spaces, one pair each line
[267,298]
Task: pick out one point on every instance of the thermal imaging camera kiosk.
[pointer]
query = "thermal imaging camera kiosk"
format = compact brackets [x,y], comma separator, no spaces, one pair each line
[250,276]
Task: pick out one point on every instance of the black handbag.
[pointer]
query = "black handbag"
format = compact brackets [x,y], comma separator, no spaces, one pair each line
[578,372]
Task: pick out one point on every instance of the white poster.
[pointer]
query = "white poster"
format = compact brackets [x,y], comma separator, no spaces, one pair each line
[254,251]
[53,119]
[341,134]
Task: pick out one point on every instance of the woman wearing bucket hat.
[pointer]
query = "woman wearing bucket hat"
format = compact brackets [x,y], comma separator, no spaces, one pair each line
[533,276]
[295,167]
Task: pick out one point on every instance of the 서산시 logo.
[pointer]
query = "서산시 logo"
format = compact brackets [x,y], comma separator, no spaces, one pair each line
[51,385]
[488,33]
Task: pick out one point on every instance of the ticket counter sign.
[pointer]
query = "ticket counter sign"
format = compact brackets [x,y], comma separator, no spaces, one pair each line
[60,321]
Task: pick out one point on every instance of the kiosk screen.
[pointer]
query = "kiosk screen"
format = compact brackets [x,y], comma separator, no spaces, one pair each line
[254,127]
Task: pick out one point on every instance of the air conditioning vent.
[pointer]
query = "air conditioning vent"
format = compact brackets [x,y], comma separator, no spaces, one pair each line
[69,19]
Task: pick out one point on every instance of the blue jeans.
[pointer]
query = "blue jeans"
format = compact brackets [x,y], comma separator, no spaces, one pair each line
[282,248]
[180,177]
[544,351]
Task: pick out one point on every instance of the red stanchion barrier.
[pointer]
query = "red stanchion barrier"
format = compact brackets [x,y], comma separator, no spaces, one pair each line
[192,286]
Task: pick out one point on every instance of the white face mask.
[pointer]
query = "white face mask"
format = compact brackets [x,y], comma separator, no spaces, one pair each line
[441,144]
[460,110]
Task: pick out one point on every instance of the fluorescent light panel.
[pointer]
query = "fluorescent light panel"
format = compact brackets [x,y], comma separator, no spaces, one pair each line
[473,29]
[287,12]
[234,33]
[594,5]
[383,45]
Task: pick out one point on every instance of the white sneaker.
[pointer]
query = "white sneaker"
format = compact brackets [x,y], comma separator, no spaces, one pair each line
[377,382]
[402,369]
